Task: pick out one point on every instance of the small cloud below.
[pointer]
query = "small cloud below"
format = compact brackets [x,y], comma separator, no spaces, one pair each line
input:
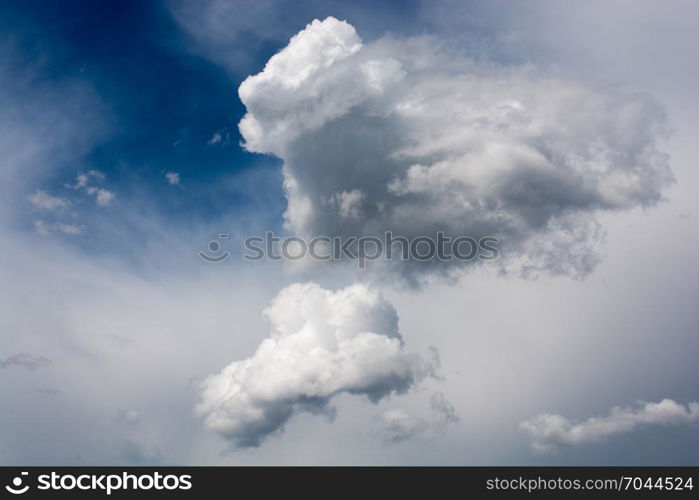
[31,362]
[346,341]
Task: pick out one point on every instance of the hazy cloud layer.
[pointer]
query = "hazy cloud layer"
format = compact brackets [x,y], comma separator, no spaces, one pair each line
[404,135]
[321,344]
[396,425]
[549,430]
[58,206]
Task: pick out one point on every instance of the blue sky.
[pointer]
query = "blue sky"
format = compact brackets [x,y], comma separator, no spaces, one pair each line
[153,107]
[125,147]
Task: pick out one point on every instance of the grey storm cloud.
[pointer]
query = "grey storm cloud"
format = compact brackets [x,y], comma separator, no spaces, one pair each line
[25,360]
[404,135]
[549,430]
[322,343]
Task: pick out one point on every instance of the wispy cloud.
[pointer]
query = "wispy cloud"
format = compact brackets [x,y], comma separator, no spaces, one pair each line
[173,178]
[85,182]
[25,360]
[396,425]
[42,200]
[220,138]
[549,430]
[45,228]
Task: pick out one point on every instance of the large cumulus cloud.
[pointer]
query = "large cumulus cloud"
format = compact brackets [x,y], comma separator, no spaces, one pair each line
[321,344]
[406,135]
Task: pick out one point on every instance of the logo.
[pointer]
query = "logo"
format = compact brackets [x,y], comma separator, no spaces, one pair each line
[214,247]
[16,488]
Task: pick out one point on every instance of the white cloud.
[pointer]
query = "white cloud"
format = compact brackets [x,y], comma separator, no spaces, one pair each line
[282,101]
[321,344]
[42,200]
[84,182]
[173,178]
[548,430]
[44,228]
[104,197]
[419,140]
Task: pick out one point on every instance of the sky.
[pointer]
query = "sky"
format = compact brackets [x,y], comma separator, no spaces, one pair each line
[133,134]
